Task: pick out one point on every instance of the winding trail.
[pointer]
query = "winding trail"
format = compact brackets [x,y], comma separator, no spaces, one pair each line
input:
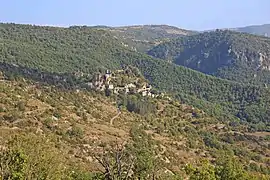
[111,121]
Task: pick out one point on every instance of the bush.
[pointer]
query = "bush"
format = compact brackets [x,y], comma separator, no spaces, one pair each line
[75,131]
[227,168]
[11,116]
[21,106]
[48,122]
[12,164]
[2,109]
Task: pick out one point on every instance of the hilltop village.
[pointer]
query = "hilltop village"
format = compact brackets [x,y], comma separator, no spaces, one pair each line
[124,81]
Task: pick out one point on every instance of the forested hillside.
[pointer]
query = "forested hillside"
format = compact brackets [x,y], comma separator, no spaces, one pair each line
[67,50]
[226,54]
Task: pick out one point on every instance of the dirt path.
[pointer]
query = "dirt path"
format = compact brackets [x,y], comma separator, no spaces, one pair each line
[111,121]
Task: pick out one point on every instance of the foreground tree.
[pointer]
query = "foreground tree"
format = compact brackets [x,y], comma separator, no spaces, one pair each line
[31,157]
[226,168]
[136,159]
[117,163]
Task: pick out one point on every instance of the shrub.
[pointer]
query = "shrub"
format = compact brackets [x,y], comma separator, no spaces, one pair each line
[75,131]
[21,106]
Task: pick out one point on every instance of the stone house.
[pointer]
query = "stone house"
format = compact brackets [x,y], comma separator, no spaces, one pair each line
[110,86]
[144,93]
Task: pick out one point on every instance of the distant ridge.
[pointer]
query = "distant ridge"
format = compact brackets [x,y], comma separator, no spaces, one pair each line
[263,30]
[143,37]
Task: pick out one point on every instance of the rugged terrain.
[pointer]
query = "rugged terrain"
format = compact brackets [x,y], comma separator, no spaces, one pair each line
[78,125]
[235,56]
[83,96]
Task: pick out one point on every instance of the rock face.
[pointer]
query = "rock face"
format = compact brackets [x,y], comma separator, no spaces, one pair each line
[225,54]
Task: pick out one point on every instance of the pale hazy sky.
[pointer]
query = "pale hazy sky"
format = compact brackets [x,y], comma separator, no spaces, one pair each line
[189,14]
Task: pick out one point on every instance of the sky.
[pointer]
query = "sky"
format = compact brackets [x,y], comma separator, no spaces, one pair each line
[188,14]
